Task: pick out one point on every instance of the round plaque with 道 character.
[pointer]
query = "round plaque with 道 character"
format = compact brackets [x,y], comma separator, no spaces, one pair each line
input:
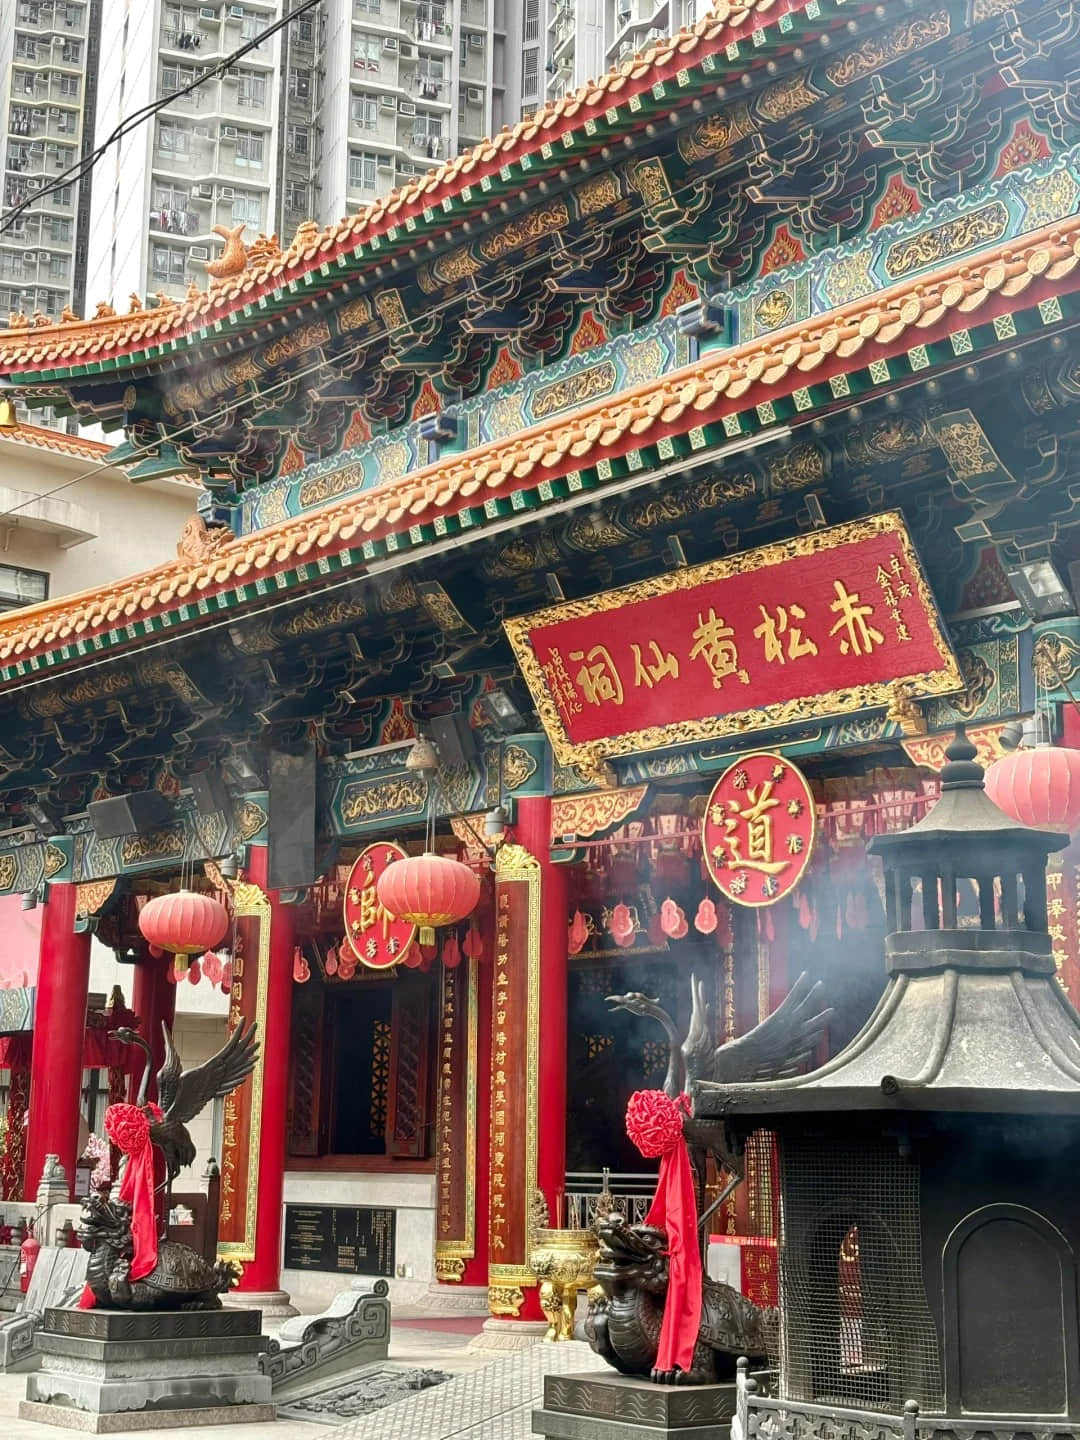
[371,932]
[758,829]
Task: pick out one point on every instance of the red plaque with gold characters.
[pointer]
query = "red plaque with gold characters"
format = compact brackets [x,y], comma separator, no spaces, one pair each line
[827,623]
[758,830]
[373,935]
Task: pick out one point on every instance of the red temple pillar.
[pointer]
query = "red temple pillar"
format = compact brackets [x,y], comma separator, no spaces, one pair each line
[528,1059]
[56,1061]
[260,1284]
[154,1002]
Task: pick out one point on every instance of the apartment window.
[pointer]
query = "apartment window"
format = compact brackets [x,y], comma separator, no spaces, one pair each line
[367,52]
[365,112]
[249,148]
[299,140]
[299,83]
[175,77]
[247,206]
[63,197]
[65,121]
[251,91]
[59,267]
[530,72]
[305,31]
[71,52]
[171,197]
[58,230]
[362,170]
[19,123]
[26,48]
[173,139]
[298,196]
[70,16]
[366,7]
[10,300]
[532,20]
[29,14]
[471,44]
[431,72]
[59,157]
[167,263]
[69,87]
[22,587]
[12,267]
[251,27]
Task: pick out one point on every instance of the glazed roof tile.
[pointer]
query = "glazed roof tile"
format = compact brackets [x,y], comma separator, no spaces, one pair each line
[973,291]
[84,341]
[57,440]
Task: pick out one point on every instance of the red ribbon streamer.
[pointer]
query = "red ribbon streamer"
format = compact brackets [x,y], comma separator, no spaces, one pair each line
[654,1124]
[128,1126]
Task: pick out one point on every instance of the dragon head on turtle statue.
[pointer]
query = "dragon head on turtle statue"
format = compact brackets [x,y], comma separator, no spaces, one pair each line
[181,1279]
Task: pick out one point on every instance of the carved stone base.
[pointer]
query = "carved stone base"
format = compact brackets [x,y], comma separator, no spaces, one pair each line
[275,1304]
[456,1299]
[509,1334]
[108,1370]
[607,1406]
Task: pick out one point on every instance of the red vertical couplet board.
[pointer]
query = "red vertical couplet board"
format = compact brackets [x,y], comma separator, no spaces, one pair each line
[515,1066]
[243,1108]
[455,1241]
[829,623]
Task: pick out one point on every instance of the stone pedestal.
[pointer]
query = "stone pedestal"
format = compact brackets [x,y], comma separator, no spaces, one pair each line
[112,1370]
[607,1406]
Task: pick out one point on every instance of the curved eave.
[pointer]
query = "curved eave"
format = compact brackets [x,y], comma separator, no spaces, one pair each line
[878,341]
[954,1040]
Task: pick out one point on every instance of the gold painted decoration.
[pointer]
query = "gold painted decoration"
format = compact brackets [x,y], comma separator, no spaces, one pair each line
[758,830]
[928,751]
[824,624]
[91,895]
[378,939]
[582,817]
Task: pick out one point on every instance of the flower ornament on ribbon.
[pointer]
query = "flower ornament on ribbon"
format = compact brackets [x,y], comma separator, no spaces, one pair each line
[654,1122]
[128,1127]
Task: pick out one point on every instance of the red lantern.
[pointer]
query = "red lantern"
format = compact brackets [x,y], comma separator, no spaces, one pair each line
[184,923]
[1038,787]
[428,891]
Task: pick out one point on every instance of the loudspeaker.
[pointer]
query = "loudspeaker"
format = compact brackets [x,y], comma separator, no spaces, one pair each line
[208,788]
[135,814]
[291,841]
[454,740]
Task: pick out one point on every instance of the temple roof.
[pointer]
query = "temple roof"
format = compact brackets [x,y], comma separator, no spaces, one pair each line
[463,492]
[58,441]
[270,270]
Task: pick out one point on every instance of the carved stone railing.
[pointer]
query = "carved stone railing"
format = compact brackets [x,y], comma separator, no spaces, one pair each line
[763,1416]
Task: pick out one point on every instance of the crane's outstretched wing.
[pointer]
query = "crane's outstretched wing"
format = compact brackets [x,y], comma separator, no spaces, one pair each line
[189,1090]
[776,1047]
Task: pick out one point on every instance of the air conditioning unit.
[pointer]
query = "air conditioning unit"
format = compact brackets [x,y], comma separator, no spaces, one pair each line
[202,132]
[406,107]
[199,252]
[474,94]
[233,72]
[207,12]
[476,42]
[237,12]
[406,51]
[30,256]
[390,44]
[387,102]
[226,192]
[204,192]
[228,132]
[386,163]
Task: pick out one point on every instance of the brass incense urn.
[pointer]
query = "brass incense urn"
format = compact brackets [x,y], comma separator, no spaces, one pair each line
[562,1261]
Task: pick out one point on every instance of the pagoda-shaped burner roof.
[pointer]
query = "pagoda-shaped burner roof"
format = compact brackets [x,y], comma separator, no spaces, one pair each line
[973,1018]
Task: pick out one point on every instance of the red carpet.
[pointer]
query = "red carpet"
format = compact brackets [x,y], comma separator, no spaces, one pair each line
[448,1324]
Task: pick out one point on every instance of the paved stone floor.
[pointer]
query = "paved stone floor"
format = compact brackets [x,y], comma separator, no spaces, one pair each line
[491,1396]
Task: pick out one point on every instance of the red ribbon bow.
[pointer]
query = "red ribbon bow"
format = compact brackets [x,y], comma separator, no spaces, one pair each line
[128,1127]
[654,1124]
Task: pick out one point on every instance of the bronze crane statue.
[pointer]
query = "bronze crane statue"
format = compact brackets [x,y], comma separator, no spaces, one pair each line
[780,1045]
[183,1093]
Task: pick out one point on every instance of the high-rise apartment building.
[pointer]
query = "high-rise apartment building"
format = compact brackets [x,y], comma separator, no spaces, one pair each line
[48,65]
